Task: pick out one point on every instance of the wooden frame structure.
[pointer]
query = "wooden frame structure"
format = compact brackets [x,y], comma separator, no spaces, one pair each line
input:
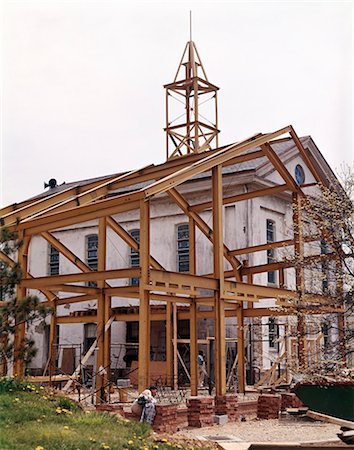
[230,290]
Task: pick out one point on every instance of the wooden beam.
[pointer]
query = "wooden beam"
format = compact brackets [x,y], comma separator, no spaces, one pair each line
[280,167]
[241,369]
[204,228]
[169,349]
[144,306]
[101,208]
[218,251]
[210,161]
[54,280]
[20,327]
[193,322]
[101,370]
[133,243]
[242,197]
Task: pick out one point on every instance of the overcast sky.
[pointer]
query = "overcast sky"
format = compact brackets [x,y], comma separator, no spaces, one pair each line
[82,91]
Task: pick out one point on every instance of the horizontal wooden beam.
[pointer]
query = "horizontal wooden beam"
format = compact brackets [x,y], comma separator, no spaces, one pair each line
[241,197]
[35,283]
[81,214]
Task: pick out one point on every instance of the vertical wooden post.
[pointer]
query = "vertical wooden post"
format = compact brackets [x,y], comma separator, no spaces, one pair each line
[20,331]
[53,342]
[240,350]
[175,359]
[144,306]
[220,366]
[169,357]
[107,340]
[101,377]
[193,324]
[299,274]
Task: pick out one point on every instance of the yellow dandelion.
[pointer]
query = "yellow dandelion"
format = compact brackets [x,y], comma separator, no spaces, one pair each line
[87,412]
[92,439]
[130,442]
[39,447]
[58,410]
[103,445]
[17,399]
[41,387]
[155,446]
[45,397]
[163,440]
[66,427]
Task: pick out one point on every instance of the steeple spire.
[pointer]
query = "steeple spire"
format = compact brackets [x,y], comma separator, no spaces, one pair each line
[191,107]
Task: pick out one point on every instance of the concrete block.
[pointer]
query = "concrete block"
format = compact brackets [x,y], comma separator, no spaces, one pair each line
[221,419]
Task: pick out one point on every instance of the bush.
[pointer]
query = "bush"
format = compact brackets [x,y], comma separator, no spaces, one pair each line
[10,384]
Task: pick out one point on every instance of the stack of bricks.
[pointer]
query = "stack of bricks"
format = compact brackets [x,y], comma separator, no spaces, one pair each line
[268,406]
[290,400]
[182,417]
[247,409]
[227,404]
[200,411]
[109,407]
[166,418]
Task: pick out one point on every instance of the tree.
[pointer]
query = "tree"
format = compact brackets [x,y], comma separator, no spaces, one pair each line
[330,214]
[14,312]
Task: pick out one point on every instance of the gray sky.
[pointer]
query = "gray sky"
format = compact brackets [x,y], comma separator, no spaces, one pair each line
[82,81]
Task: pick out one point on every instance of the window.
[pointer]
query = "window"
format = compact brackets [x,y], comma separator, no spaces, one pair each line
[134,256]
[89,336]
[183,247]
[270,252]
[53,265]
[325,332]
[299,174]
[273,332]
[324,267]
[92,255]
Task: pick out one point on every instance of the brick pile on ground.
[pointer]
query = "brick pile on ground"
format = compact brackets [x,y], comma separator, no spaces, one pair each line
[290,400]
[166,418]
[268,406]
[200,411]
[227,404]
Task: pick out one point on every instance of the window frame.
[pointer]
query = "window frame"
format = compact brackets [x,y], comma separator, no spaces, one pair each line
[92,262]
[271,276]
[52,251]
[134,256]
[183,257]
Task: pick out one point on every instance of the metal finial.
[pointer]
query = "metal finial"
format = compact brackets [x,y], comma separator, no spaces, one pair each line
[190,25]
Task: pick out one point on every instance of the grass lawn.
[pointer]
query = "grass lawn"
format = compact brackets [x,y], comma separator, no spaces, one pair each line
[33,419]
